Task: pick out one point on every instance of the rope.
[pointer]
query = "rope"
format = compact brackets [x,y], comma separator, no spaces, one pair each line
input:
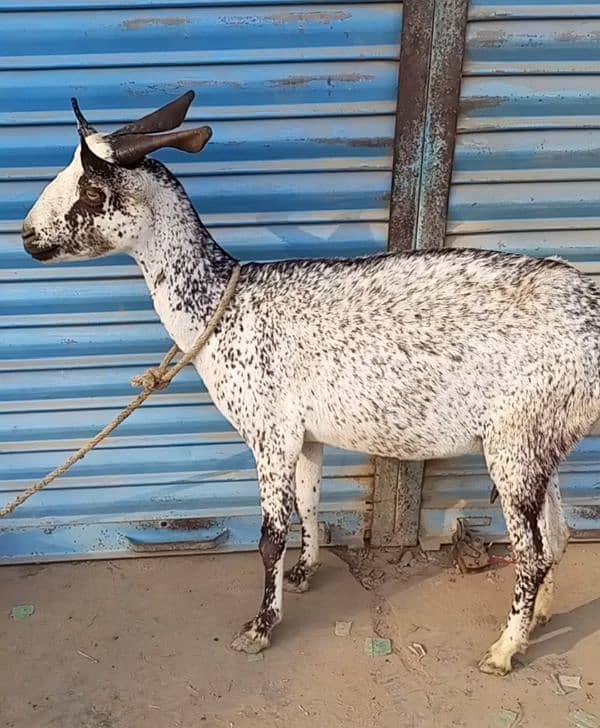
[151,380]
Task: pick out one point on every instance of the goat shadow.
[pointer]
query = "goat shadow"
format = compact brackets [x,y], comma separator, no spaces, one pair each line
[583,621]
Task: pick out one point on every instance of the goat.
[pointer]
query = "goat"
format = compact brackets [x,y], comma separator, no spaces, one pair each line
[414,355]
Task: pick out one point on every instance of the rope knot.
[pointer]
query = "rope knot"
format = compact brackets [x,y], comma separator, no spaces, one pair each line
[151,380]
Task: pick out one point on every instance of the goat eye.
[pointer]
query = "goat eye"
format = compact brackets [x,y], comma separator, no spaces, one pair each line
[92,194]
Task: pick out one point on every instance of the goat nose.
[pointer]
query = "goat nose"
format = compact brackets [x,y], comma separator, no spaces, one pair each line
[27,232]
[28,236]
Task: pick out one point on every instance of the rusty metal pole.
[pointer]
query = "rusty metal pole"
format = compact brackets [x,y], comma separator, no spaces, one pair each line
[431,56]
[445,75]
[413,76]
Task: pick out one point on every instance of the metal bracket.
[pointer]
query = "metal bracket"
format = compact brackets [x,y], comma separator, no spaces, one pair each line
[162,540]
[468,546]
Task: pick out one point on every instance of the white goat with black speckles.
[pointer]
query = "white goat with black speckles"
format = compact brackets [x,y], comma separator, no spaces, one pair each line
[414,356]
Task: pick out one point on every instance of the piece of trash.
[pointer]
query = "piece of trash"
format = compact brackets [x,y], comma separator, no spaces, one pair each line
[417,649]
[342,629]
[258,657]
[22,611]
[569,682]
[303,709]
[87,657]
[509,718]
[559,688]
[193,689]
[583,719]
[154,707]
[550,635]
[378,646]
[407,558]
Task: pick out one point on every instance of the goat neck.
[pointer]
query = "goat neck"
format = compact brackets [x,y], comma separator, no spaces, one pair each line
[185,270]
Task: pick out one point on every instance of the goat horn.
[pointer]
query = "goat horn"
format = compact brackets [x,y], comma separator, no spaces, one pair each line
[130,149]
[166,118]
[84,128]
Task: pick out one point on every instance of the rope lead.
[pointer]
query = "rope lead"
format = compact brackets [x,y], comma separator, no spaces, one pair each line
[152,380]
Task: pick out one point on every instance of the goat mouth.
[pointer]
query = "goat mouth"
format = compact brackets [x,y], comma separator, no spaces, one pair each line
[43,254]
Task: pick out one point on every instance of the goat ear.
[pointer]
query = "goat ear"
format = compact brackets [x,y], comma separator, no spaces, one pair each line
[130,149]
[91,162]
[166,118]
[85,129]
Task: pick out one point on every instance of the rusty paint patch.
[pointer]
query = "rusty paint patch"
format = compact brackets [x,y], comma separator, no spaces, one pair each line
[296,81]
[176,87]
[573,36]
[315,16]
[359,143]
[477,103]
[490,38]
[139,23]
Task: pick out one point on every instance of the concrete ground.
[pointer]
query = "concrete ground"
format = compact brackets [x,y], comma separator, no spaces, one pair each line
[144,644]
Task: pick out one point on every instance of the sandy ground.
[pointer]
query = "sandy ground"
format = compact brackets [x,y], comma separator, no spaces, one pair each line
[144,643]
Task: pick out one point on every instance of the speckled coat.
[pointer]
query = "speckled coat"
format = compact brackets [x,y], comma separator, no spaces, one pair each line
[416,355]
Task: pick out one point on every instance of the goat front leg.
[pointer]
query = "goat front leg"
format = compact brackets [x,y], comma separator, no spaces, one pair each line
[308,485]
[276,477]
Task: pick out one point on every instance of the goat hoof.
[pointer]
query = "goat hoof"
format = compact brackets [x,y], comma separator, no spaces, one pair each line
[297,587]
[494,665]
[297,579]
[248,640]
[540,620]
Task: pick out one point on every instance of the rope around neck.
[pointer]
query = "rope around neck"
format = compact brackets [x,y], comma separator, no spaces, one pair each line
[151,380]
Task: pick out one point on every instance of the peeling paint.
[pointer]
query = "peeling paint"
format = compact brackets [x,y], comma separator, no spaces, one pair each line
[177,87]
[358,143]
[489,38]
[587,513]
[306,80]
[316,16]
[140,23]
[291,17]
[573,36]
[476,103]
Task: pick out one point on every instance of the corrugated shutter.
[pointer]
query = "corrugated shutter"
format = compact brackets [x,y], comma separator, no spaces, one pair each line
[526,179]
[302,100]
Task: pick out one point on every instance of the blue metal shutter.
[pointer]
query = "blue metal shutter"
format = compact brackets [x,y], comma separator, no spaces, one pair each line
[526,178]
[302,101]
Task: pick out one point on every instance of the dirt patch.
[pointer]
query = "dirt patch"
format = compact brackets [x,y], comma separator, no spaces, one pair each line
[141,643]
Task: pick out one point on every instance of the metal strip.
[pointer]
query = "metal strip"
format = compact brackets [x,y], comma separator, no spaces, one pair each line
[432,49]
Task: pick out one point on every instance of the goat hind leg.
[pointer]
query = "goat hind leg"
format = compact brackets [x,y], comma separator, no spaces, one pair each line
[555,535]
[308,483]
[522,489]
